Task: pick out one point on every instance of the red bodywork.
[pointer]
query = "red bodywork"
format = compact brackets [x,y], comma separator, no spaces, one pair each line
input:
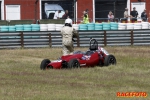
[85,60]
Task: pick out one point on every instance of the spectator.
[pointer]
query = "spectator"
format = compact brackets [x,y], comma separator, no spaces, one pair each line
[65,16]
[87,11]
[144,16]
[56,15]
[134,15]
[110,16]
[126,15]
[85,17]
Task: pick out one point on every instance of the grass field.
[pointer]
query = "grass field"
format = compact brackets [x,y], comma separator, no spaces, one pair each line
[22,79]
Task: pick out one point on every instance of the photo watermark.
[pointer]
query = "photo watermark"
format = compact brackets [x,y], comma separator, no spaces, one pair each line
[131,94]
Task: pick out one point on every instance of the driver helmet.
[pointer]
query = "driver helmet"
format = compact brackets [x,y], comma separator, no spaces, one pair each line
[69,21]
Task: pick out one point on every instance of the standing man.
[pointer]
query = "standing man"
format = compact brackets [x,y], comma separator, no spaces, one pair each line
[144,16]
[65,16]
[134,15]
[68,33]
[126,15]
[56,15]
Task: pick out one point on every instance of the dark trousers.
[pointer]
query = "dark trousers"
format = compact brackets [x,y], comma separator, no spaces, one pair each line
[133,20]
[125,20]
[144,19]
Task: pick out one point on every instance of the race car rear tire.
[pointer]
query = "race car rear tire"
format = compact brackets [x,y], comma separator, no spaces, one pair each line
[44,64]
[73,63]
[109,60]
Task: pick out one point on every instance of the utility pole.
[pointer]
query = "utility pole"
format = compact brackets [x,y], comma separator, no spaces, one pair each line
[35,13]
[115,9]
[75,11]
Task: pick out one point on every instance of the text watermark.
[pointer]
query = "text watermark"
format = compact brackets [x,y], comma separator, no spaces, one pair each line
[131,94]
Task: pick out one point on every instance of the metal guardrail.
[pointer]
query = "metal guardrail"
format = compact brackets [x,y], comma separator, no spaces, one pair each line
[54,39]
[25,39]
[141,37]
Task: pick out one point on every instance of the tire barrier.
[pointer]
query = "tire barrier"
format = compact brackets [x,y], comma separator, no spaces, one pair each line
[130,26]
[98,26]
[35,27]
[43,27]
[51,27]
[91,26]
[113,26]
[27,27]
[4,28]
[106,26]
[11,28]
[75,26]
[59,27]
[19,27]
[137,26]
[145,25]
[82,27]
[121,26]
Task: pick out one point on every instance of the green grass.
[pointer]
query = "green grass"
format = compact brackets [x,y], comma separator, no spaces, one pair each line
[22,79]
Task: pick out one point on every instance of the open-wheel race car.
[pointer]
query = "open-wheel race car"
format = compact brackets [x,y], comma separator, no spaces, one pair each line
[95,56]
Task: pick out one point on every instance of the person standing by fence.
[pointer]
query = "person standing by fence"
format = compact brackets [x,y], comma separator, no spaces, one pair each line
[126,15]
[85,17]
[110,16]
[56,16]
[134,15]
[65,16]
[144,16]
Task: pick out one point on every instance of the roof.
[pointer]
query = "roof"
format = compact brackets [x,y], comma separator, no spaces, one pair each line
[53,7]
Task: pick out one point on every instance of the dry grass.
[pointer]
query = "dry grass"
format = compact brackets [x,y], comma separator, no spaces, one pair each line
[22,79]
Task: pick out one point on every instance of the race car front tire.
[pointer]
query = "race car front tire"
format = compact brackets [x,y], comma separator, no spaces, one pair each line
[110,60]
[73,63]
[44,64]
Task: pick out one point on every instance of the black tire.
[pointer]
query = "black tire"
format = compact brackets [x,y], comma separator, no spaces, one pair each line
[44,64]
[73,63]
[110,60]
[101,64]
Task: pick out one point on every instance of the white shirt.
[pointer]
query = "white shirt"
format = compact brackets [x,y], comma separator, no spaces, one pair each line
[126,14]
[56,15]
[110,16]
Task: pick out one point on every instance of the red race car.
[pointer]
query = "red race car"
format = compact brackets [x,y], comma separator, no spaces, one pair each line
[95,56]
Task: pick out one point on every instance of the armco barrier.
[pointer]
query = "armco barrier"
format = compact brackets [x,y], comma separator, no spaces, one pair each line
[54,39]
[25,39]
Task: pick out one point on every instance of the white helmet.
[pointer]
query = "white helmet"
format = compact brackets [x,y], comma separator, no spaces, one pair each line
[69,21]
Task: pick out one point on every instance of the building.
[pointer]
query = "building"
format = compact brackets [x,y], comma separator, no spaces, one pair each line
[35,9]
